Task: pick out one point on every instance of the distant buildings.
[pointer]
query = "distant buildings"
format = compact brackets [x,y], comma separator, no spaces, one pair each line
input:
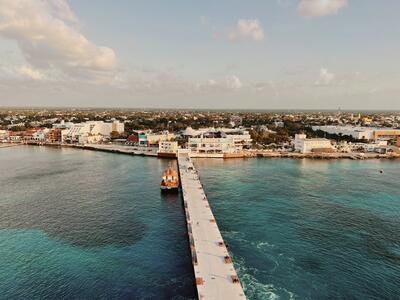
[304,145]
[91,132]
[361,133]
[149,138]
[236,121]
[3,134]
[217,142]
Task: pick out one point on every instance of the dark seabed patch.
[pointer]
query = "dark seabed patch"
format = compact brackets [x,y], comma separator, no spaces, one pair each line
[86,225]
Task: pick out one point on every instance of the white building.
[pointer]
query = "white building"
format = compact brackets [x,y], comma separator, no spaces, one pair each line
[63,125]
[167,147]
[214,144]
[91,132]
[40,135]
[241,137]
[360,133]
[204,145]
[304,145]
[3,135]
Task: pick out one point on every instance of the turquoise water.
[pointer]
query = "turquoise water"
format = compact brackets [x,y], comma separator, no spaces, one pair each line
[88,225]
[309,229]
[78,224]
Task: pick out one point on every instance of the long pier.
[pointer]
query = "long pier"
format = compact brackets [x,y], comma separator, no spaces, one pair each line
[215,274]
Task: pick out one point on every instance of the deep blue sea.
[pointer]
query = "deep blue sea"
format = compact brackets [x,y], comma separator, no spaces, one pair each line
[77,224]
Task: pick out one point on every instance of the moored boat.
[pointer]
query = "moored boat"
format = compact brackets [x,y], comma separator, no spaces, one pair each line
[170,180]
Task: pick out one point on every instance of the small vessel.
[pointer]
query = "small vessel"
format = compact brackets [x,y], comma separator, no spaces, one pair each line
[170,180]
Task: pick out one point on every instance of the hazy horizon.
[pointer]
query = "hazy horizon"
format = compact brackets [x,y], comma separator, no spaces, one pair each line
[112,108]
[257,55]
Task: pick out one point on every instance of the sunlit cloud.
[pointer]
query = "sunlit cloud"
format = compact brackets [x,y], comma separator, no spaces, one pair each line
[319,8]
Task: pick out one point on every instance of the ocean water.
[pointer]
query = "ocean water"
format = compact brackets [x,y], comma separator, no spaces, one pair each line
[89,225]
[309,229]
[78,224]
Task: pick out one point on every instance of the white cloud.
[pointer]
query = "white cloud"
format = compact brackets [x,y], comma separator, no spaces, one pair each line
[30,73]
[319,8]
[325,77]
[227,84]
[47,38]
[233,82]
[247,29]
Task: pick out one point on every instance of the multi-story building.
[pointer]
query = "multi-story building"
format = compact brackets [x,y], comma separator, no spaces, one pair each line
[214,144]
[304,145]
[54,135]
[240,137]
[148,138]
[167,149]
[39,135]
[156,138]
[361,133]
[3,135]
[91,132]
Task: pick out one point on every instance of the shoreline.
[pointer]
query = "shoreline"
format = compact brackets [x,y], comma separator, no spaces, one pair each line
[152,152]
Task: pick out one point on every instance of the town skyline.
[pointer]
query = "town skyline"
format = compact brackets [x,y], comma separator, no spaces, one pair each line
[286,54]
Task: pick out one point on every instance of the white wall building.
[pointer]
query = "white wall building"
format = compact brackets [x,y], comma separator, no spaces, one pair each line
[40,135]
[204,145]
[240,136]
[360,133]
[304,145]
[3,134]
[91,132]
[168,147]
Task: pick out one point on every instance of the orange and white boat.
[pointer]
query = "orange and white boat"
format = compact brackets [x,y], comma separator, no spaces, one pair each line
[170,180]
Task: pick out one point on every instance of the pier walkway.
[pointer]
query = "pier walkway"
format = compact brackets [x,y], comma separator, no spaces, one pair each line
[215,274]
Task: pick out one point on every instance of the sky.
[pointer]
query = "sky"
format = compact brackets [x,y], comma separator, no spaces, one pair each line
[225,54]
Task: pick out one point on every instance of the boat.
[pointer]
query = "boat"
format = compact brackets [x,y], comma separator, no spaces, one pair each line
[170,180]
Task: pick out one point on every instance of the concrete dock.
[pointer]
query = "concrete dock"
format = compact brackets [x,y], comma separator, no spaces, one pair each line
[215,274]
[132,150]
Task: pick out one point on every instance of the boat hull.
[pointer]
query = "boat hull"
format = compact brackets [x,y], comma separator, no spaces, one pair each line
[169,189]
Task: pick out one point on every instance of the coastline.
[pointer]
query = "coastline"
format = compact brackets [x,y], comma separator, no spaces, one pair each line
[143,151]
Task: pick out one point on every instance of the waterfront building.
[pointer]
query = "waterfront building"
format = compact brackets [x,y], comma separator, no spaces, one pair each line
[15,136]
[3,135]
[214,144]
[137,137]
[91,132]
[240,136]
[167,149]
[149,138]
[54,135]
[304,145]
[155,138]
[39,135]
[142,138]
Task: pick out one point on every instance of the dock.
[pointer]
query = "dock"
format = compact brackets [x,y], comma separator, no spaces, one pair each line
[131,150]
[215,274]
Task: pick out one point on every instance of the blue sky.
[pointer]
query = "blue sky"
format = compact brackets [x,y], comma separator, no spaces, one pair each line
[266,54]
